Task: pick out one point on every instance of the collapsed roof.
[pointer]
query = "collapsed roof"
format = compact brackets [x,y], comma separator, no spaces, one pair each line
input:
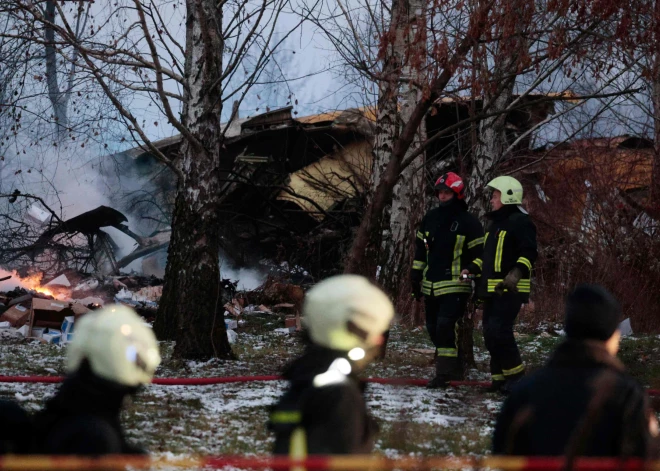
[295,182]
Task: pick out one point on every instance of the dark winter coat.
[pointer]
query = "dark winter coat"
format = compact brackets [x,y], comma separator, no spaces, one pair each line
[83,418]
[580,404]
[16,429]
[330,419]
[448,239]
[510,241]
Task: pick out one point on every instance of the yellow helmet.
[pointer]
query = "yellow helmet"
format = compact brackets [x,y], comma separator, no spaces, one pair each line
[346,312]
[511,189]
[118,345]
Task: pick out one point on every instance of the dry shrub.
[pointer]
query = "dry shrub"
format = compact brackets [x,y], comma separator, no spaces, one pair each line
[587,204]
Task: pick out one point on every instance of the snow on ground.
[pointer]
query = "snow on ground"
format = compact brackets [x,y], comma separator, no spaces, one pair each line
[231,418]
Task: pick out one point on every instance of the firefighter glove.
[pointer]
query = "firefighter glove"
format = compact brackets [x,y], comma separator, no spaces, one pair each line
[510,282]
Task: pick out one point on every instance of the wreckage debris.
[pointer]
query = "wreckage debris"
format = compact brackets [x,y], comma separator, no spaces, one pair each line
[47,309]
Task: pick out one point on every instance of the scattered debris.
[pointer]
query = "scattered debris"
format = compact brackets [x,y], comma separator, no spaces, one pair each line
[60,280]
[625,328]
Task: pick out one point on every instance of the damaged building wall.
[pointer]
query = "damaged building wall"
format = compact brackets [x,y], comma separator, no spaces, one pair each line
[336,177]
[295,188]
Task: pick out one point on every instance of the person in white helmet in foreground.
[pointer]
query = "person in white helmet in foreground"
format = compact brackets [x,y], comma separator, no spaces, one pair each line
[324,410]
[112,355]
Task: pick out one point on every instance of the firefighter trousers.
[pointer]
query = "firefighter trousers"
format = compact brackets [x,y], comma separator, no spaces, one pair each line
[443,314]
[500,314]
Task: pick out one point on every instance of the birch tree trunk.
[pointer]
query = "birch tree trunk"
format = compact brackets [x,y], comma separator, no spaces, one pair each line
[370,228]
[491,143]
[387,124]
[56,97]
[396,103]
[197,322]
[408,194]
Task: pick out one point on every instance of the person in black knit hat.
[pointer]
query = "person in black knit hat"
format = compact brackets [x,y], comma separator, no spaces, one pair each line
[581,403]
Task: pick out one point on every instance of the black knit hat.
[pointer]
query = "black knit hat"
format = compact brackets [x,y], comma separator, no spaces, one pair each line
[591,313]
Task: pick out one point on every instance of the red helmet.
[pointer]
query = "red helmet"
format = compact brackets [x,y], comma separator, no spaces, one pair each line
[451,181]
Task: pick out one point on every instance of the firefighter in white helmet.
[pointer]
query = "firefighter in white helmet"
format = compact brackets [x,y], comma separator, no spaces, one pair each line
[324,410]
[113,353]
[505,272]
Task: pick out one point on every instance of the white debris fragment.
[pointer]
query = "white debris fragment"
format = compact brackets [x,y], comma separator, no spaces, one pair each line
[21,398]
[625,328]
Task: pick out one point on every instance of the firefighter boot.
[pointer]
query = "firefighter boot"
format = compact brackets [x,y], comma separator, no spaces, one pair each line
[446,370]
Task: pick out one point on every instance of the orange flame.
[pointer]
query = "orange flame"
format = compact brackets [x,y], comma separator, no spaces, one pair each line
[33,282]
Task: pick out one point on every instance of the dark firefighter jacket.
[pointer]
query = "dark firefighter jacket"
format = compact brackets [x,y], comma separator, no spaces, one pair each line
[510,241]
[83,418]
[580,404]
[448,239]
[327,418]
[16,432]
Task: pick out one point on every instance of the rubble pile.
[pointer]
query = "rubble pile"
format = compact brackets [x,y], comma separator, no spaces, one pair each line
[47,309]
[272,299]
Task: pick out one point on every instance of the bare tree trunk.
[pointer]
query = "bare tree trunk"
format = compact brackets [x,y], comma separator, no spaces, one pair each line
[370,229]
[387,123]
[197,322]
[408,194]
[498,95]
[55,96]
[492,143]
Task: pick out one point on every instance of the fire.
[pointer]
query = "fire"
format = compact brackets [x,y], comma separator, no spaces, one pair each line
[33,282]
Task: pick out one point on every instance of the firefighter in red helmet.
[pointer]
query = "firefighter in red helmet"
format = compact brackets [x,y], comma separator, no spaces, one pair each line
[448,239]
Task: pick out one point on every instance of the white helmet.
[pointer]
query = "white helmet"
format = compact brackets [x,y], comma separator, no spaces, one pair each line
[117,344]
[346,312]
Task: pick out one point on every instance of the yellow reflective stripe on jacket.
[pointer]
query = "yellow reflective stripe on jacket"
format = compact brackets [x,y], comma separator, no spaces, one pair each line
[458,250]
[525,262]
[420,235]
[419,265]
[445,287]
[475,242]
[455,287]
[286,417]
[446,284]
[454,290]
[524,285]
[298,447]
[499,250]
[513,371]
[441,284]
[478,262]
[498,377]
[447,352]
